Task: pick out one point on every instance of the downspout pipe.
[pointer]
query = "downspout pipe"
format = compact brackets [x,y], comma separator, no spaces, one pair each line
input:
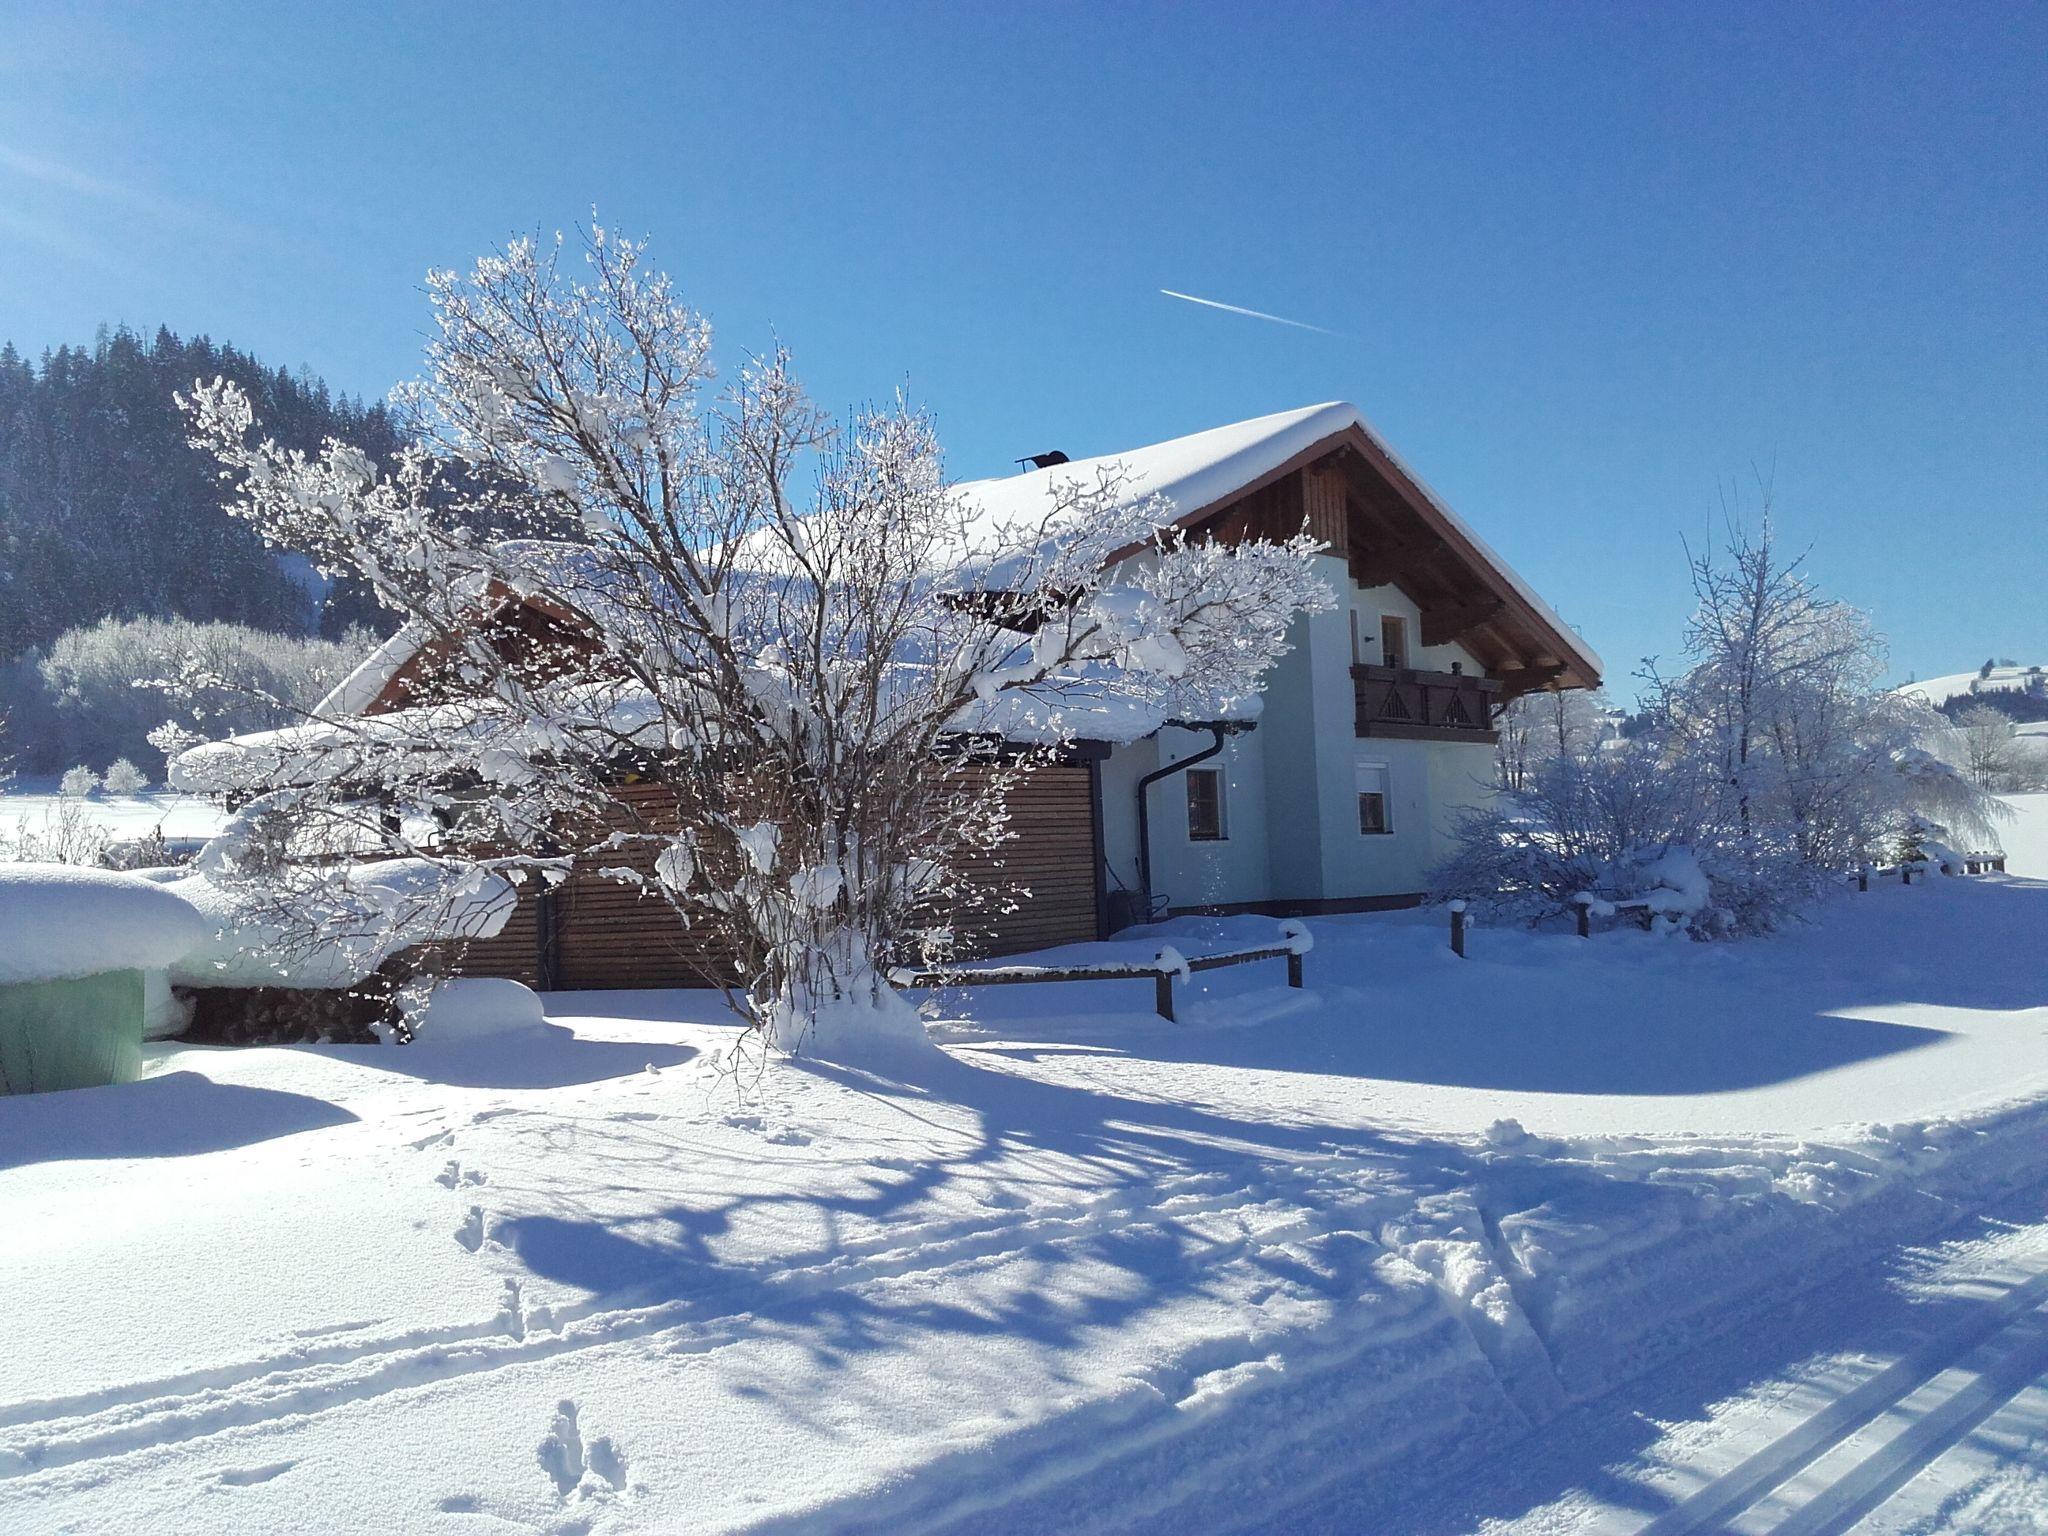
[1217,732]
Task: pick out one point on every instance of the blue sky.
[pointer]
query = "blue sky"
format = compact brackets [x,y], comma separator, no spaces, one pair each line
[1592,270]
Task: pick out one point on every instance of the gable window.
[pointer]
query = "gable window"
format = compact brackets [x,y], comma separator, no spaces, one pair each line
[1206,822]
[1374,812]
[1394,640]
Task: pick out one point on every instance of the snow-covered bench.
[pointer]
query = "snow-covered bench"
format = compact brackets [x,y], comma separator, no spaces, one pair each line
[1164,967]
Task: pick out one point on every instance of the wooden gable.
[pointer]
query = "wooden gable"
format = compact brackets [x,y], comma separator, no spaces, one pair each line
[1347,492]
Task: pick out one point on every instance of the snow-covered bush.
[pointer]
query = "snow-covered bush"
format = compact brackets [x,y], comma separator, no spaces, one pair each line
[78,782]
[1579,823]
[94,695]
[1773,761]
[66,833]
[468,1008]
[794,629]
[124,778]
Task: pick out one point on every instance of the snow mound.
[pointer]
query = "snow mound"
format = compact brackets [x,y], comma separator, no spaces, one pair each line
[61,921]
[473,1008]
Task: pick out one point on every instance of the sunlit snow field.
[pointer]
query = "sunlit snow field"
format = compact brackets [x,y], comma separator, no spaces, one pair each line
[1288,1264]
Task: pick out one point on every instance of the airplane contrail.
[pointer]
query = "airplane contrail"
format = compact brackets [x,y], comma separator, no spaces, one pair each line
[1239,309]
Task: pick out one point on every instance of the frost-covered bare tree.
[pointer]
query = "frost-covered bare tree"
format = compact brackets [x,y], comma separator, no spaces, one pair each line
[1990,750]
[822,658]
[1538,727]
[1773,759]
[1812,759]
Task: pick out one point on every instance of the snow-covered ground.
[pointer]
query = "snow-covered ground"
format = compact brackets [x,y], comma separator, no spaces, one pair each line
[1430,1231]
[182,818]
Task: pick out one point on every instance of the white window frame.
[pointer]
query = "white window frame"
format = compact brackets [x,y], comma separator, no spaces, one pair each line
[1384,788]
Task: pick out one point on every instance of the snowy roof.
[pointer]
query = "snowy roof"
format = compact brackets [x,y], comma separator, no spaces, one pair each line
[1198,471]
[360,689]
[363,919]
[1091,704]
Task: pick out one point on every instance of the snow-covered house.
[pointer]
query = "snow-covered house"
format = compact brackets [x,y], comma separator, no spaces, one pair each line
[1333,791]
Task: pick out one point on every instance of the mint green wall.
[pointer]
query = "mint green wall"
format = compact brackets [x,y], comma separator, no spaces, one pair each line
[71,1034]
[1292,782]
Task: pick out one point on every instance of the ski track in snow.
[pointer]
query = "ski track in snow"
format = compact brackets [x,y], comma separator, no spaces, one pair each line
[1923,1401]
[1368,1367]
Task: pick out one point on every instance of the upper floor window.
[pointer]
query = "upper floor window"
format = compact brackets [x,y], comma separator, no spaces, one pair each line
[1206,812]
[1394,640]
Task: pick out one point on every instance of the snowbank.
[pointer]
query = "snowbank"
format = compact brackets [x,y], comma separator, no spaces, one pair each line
[468,1008]
[59,921]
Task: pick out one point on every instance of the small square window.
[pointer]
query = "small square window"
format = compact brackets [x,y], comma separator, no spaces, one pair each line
[1374,808]
[1205,806]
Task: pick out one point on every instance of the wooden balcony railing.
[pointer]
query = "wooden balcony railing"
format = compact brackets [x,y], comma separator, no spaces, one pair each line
[1424,706]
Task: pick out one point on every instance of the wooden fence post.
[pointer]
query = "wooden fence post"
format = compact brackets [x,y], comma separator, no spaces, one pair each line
[1293,968]
[1162,995]
[1585,920]
[1458,929]
[1863,877]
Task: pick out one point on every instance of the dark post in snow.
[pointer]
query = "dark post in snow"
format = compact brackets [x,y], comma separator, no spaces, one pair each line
[1585,920]
[1294,968]
[1863,877]
[1162,995]
[1458,929]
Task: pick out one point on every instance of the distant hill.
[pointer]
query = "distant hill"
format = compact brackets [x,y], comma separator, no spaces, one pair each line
[2018,692]
[106,511]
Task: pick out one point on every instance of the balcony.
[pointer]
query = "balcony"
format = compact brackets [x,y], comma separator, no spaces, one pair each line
[1409,705]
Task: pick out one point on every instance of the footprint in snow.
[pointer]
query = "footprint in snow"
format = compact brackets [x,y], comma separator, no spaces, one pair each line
[596,1471]
[244,1477]
[454,1174]
[471,1233]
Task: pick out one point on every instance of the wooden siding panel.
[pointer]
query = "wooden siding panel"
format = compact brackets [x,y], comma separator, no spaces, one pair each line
[609,934]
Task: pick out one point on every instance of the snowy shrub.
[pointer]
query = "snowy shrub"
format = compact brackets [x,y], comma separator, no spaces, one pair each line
[78,782]
[1773,761]
[1574,826]
[66,833]
[100,692]
[124,778]
[796,630]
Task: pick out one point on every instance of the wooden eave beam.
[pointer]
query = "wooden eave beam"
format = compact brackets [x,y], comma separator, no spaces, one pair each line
[1383,563]
[1520,680]
[1441,626]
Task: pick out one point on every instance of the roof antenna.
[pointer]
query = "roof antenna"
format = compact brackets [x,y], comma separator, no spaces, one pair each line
[1041,460]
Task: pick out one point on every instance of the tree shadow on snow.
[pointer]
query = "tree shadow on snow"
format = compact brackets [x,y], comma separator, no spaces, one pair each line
[1121,1236]
[176,1114]
[1110,1162]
